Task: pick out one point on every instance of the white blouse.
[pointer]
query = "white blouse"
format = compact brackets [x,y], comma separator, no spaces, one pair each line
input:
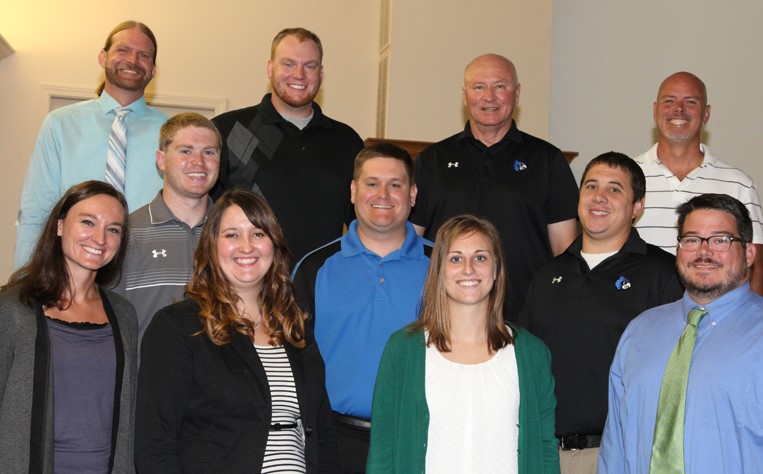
[473,414]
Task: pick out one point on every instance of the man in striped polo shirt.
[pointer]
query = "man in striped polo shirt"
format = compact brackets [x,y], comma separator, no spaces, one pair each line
[679,167]
[164,233]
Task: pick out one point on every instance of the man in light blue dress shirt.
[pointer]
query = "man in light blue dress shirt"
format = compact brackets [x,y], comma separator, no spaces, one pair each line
[723,421]
[73,141]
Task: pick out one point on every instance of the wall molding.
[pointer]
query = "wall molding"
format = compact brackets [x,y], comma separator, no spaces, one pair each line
[55,96]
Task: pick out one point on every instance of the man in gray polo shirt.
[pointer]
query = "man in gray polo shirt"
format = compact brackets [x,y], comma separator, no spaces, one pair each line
[165,232]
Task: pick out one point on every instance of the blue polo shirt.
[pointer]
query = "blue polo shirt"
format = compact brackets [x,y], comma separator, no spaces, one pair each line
[358,300]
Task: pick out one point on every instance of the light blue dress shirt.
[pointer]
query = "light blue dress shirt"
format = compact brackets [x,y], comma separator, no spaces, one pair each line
[71,147]
[723,431]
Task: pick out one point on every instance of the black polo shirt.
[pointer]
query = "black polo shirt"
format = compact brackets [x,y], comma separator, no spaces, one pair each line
[304,174]
[581,314]
[521,184]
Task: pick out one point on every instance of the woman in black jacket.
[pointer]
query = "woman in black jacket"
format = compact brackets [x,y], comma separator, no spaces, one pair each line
[229,381]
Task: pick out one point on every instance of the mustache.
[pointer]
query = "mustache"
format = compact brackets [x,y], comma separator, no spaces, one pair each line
[704,260]
[128,66]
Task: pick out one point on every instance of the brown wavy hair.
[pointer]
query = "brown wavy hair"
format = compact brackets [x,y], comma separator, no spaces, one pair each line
[45,277]
[434,316]
[281,316]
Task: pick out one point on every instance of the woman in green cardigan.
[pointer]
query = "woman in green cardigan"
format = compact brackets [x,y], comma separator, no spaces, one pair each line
[458,390]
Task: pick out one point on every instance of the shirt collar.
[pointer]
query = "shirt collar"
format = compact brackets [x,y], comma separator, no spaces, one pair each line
[513,135]
[108,104]
[270,114]
[634,244]
[159,213]
[411,248]
[719,308]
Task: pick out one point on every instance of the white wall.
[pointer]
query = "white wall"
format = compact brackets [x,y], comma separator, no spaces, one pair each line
[610,57]
[433,40]
[207,49]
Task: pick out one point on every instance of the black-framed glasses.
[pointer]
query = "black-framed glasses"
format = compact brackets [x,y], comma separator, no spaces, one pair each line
[717,243]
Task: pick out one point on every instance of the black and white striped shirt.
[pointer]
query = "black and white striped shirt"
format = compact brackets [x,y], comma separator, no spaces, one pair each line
[285,449]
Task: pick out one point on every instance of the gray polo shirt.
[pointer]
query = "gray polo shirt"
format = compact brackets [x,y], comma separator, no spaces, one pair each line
[159,259]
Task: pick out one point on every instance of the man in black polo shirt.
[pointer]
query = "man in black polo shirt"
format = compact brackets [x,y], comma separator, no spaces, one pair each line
[285,149]
[581,301]
[520,183]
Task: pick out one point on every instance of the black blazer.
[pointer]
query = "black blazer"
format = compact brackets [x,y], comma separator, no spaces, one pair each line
[206,408]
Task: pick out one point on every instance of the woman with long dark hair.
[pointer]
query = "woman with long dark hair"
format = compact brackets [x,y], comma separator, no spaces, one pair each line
[229,380]
[459,390]
[68,345]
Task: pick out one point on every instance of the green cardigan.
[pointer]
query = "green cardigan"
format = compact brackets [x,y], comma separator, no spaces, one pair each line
[400,416]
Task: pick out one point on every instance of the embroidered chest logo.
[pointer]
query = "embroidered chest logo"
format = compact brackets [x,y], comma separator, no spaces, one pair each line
[453,164]
[519,166]
[622,283]
[556,280]
[161,252]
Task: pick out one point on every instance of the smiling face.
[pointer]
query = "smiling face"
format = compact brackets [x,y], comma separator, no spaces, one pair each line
[708,274]
[681,108]
[491,92]
[91,233]
[244,252]
[469,271]
[129,61]
[295,74]
[383,196]
[606,208]
[190,163]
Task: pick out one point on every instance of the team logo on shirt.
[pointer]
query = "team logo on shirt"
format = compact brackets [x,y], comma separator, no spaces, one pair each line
[453,164]
[519,166]
[622,283]
[556,280]
[161,252]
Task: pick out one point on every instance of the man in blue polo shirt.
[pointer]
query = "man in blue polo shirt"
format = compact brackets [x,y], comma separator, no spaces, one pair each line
[362,287]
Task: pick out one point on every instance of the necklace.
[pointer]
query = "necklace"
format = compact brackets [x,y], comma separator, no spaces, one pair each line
[256,325]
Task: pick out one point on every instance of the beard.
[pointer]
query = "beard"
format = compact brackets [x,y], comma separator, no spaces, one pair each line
[697,286]
[134,84]
[282,92]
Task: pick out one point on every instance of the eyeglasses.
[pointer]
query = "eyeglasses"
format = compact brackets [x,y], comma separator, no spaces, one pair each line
[717,243]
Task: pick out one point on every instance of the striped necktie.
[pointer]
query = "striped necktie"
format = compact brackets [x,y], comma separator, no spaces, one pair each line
[668,444]
[117,156]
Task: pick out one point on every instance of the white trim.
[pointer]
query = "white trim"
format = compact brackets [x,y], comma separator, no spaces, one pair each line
[215,105]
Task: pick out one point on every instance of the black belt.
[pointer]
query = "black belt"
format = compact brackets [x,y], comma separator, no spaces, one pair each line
[352,421]
[282,426]
[578,441]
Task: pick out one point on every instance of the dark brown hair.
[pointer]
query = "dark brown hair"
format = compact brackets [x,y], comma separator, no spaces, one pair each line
[45,277]
[383,150]
[281,316]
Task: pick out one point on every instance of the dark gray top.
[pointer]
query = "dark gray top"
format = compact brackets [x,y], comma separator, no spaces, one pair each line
[84,373]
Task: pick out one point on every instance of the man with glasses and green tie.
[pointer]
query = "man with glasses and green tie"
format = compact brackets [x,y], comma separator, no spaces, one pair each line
[686,383]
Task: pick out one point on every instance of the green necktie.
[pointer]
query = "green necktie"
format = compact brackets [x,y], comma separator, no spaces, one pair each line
[668,445]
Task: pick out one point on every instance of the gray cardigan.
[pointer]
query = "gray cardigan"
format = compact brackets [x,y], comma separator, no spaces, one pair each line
[26,398]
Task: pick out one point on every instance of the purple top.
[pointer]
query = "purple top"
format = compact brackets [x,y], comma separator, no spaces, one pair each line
[84,376]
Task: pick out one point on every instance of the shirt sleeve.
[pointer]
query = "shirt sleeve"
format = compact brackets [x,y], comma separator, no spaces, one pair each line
[562,201]
[752,202]
[164,387]
[419,211]
[381,453]
[40,191]
[612,451]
